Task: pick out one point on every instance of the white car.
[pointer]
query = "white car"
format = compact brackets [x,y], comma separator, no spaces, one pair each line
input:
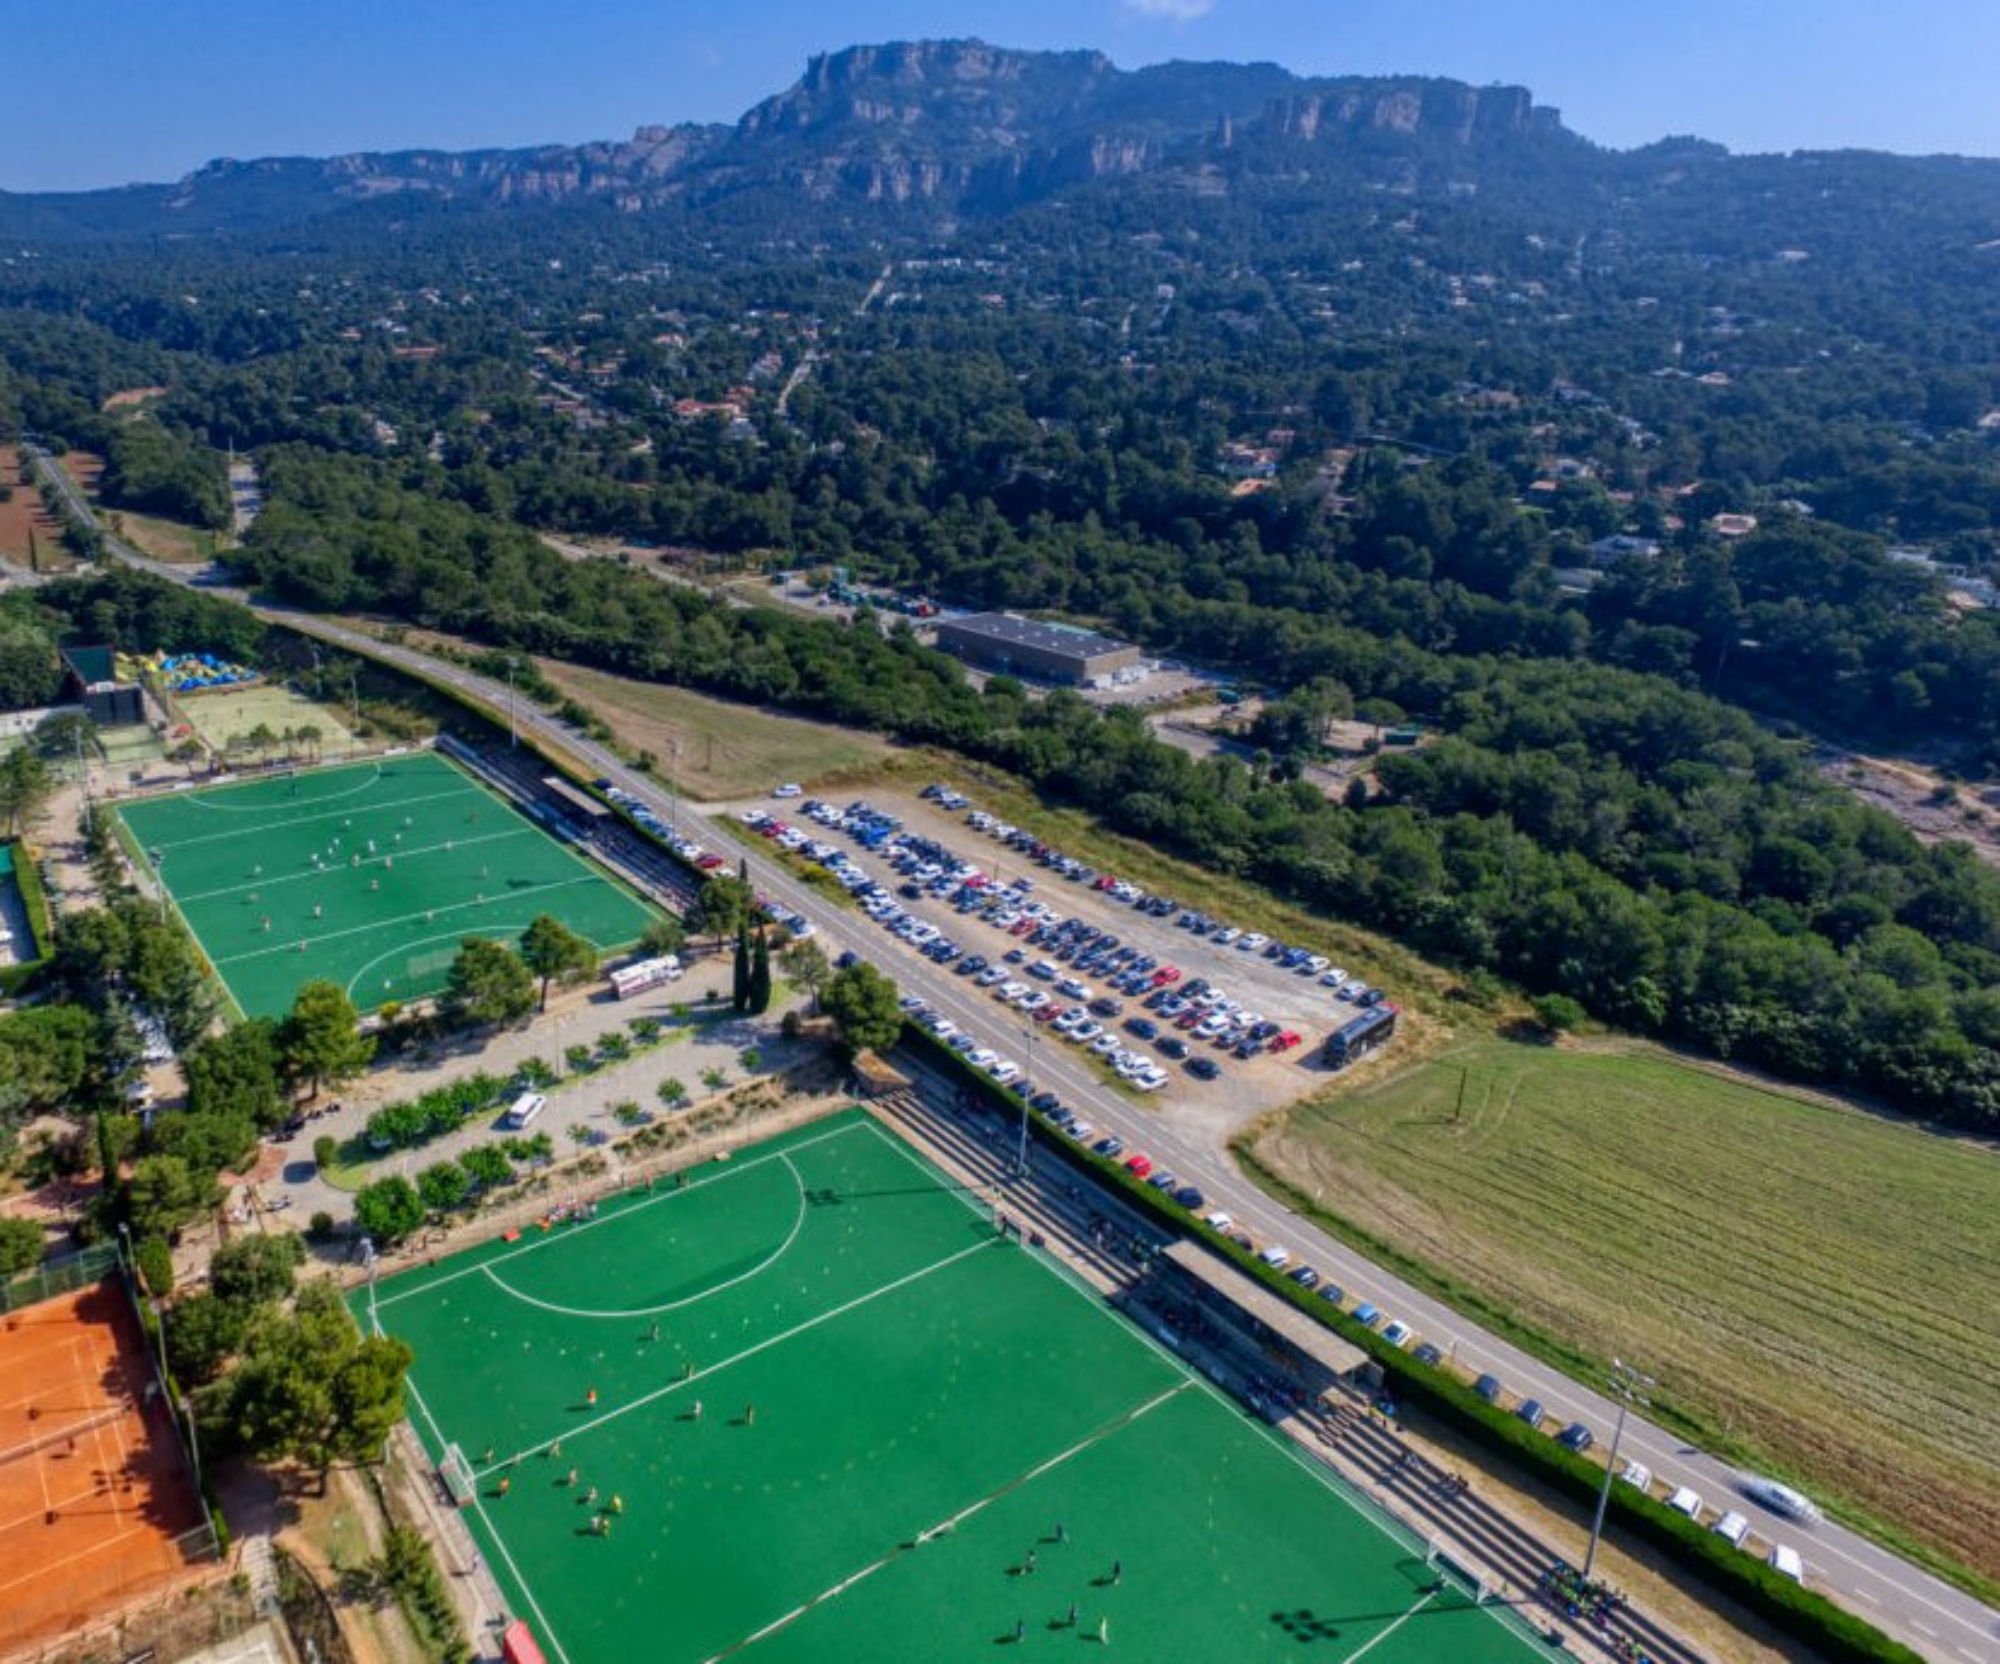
[1252,942]
[1218,1221]
[982,1058]
[789,789]
[1399,1333]
[1636,1474]
[1005,1071]
[1227,934]
[1276,1258]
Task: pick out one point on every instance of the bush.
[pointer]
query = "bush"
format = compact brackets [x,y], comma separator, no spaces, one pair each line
[155,1263]
[1558,1013]
[326,1151]
[415,1121]
[320,1226]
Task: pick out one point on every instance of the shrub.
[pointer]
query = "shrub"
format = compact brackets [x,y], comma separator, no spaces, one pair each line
[320,1226]
[155,1263]
[326,1151]
[673,1093]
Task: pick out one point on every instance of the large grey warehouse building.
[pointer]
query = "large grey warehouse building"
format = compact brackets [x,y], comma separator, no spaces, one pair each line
[1025,647]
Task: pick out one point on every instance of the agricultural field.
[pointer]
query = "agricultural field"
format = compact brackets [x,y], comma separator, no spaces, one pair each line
[1807,1281]
[167,540]
[716,750]
[24,514]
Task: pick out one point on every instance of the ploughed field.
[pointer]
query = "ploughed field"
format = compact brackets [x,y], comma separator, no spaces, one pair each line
[1810,1282]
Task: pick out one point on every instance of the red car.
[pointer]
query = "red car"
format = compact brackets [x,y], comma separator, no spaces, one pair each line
[1285,1042]
[1166,974]
[708,863]
[1104,881]
[1139,1166]
[1020,927]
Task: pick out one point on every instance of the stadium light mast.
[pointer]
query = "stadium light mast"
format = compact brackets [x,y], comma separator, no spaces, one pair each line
[513,727]
[1631,1387]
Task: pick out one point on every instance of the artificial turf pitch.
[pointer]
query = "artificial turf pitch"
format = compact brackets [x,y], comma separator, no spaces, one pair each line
[932,1406]
[247,865]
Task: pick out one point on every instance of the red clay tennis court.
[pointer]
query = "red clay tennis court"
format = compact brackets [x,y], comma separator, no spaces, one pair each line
[96,1506]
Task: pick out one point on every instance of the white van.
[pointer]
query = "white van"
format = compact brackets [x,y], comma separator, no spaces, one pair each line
[1685,1501]
[1786,1563]
[523,1110]
[1732,1528]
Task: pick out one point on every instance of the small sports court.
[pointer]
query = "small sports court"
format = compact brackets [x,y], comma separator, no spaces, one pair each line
[365,874]
[809,1404]
[96,1506]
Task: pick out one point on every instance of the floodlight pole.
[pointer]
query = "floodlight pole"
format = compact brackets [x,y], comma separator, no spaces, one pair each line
[513,728]
[1628,1384]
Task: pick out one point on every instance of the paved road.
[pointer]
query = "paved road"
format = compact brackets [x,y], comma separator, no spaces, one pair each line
[1926,1613]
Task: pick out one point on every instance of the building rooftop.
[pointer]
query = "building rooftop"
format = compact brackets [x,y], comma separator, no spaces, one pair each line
[1029,632]
[1280,1316]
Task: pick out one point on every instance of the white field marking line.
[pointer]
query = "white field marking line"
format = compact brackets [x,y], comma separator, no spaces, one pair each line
[201,801]
[776,1254]
[124,1454]
[384,924]
[1288,1447]
[77,1558]
[951,1522]
[570,1235]
[35,1516]
[602,871]
[1369,1646]
[309,874]
[748,1352]
[479,1507]
[299,820]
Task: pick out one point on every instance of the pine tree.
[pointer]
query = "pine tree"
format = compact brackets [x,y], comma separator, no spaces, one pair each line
[760,976]
[740,994]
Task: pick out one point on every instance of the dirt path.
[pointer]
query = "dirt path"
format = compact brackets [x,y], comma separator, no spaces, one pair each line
[1935,809]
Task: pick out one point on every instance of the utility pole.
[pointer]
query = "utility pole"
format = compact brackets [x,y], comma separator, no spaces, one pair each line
[513,728]
[1631,1387]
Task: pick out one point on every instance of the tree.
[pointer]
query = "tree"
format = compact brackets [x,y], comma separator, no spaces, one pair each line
[25,784]
[805,965]
[389,1209]
[443,1186]
[672,1092]
[551,950]
[164,1193]
[256,1270]
[864,1003]
[739,983]
[20,1245]
[237,1072]
[720,907]
[663,936]
[487,985]
[202,1332]
[320,1042]
[760,975]
[310,1386]
[487,1166]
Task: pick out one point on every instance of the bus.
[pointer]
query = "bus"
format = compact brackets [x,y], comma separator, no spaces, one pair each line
[1360,1034]
[636,978]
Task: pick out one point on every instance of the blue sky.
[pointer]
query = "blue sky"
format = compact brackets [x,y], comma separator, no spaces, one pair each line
[103,92]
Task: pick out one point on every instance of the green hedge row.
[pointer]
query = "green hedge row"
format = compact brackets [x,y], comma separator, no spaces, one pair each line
[1830,1630]
[35,899]
[18,978]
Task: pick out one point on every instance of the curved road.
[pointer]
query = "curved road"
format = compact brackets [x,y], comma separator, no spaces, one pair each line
[1921,1610]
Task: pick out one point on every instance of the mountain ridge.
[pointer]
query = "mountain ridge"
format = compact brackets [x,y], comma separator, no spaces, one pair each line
[954,126]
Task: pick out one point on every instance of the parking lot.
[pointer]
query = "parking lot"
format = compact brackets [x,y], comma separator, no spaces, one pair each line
[1193,1017]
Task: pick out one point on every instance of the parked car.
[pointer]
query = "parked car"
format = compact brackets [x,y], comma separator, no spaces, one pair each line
[1577,1437]
[1532,1413]
[1488,1387]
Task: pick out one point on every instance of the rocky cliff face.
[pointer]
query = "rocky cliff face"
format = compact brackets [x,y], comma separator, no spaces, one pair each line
[952,126]
[1445,109]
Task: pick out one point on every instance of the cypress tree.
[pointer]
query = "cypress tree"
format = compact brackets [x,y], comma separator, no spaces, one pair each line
[760,976]
[740,993]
